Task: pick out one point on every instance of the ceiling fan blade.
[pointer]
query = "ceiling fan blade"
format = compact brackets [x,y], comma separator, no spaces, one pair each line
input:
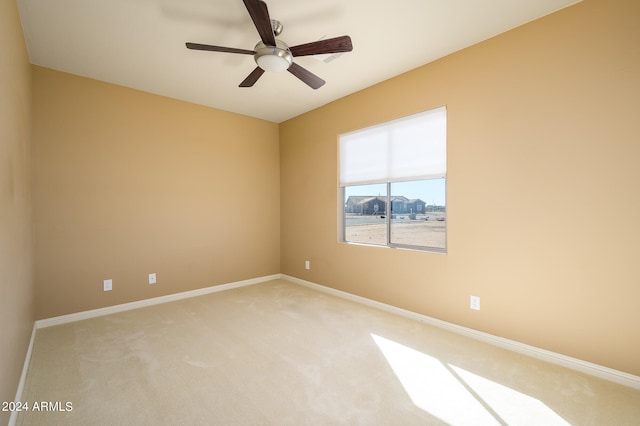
[331,45]
[197,46]
[252,78]
[306,76]
[260,15]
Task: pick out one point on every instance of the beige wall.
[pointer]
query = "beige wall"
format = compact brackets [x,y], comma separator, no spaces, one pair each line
[16,260]
[127,183]
[543,197]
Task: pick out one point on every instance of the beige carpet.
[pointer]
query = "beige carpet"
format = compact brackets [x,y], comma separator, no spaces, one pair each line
[281,354]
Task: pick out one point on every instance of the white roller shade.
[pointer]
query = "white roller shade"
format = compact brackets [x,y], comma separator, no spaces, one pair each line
[410,148]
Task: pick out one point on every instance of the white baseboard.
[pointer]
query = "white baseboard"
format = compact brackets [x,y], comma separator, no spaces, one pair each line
[596,370]
[64,319]
[23,377]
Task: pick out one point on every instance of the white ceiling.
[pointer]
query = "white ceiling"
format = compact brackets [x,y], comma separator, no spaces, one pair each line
[140,44]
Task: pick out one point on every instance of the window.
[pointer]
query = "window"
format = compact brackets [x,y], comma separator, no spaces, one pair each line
[393,183]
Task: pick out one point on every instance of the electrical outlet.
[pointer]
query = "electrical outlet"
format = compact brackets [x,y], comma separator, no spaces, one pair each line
[307,265]
[152,278]
[107,285]
[475,303]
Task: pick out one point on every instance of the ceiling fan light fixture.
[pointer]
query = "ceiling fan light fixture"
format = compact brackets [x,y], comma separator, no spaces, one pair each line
[273,55]
[273,58]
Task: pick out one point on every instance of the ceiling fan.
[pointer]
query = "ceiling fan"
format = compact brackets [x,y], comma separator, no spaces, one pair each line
[274,55]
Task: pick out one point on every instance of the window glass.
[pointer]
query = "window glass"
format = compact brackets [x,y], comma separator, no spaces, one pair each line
[418,214]
[365,214]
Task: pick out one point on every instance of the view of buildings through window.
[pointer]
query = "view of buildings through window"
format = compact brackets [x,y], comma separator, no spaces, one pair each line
[417,219]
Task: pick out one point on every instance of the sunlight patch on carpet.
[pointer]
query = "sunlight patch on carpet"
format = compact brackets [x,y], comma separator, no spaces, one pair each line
[459,397]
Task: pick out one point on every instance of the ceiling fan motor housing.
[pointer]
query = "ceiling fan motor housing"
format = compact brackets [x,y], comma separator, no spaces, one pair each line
[273,58]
